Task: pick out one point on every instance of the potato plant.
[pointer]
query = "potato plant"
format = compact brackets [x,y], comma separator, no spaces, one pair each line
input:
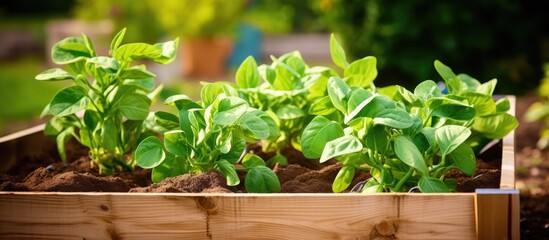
[288,89]
[112,96]
[210,134]
[404,139]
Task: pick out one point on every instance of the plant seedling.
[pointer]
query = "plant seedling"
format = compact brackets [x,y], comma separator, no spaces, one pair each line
[210,134]
[113,95]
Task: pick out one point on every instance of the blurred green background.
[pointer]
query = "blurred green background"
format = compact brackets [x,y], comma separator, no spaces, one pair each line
[508,40]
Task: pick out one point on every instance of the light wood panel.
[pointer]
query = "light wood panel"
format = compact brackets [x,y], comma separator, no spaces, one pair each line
[235,216]
[508,154]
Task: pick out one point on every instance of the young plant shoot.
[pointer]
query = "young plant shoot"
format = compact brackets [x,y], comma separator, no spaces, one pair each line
[108,100]
[211,134]
[404,139]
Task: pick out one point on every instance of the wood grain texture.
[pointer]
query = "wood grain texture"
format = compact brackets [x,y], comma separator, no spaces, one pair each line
[236,216]
[508,154]
[497,214]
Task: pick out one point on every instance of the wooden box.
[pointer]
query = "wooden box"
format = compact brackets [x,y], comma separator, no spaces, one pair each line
[485,214]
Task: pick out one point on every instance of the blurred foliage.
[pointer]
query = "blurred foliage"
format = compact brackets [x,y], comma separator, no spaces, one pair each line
[204,18]
[539,111]
[489,38]
[137,16]
[151,19]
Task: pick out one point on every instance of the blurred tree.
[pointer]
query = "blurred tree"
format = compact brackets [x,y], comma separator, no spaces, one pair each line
[136,16]
[487,38]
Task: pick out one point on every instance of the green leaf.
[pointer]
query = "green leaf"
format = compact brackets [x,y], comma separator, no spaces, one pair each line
[61,139]
[117,40]
[322,106]
[211,91]
[230,110]
[343,179]
[495,126]
[185,124]
[70,50]
[483,104]
[358,99]
[362,72]
[168,51]
[133,51]
[181,102]
[357,109]
[458,112]
[372,186]
[134,107]
[227,169]
[452,81]
[339,93]
[89,44]
[92,119]
[175,143]
[238,146]
[395,118]
[408,153]
[340,146]
[136,72]
[432,185]
[54,74]
[470,84]
[69,100]
[503,105]
[487,88]
[337,53]
[427,90]
[377,139]
[537,111]
[286,77]
[150,153]
[464,159]
[273,127]
[317,133]
[261,179]
[170,167]
[408,97]
[166,120]
[288,112]
[247,75]
[252,160]
[145,84]
[267,73]
[254,126]
[449,137]
[109,135]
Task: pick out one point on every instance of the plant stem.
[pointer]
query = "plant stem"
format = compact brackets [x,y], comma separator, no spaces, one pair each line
[403,180]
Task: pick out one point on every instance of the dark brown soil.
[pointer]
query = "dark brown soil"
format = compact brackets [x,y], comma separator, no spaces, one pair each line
[208,182]
[532,175]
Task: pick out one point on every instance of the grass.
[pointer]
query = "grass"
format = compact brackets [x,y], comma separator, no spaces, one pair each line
[22,98]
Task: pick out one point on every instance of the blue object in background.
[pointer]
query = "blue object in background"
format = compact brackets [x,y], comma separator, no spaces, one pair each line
[248,43]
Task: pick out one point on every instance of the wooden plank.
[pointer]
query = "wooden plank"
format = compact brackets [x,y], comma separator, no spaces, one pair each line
[508,154]
[231,216]
[496,211]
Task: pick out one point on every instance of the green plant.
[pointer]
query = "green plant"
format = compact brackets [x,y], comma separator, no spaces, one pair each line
[404,139]
[122,13]
[192,19]
[288,89]
[114,96]
[210,134]
[539,111]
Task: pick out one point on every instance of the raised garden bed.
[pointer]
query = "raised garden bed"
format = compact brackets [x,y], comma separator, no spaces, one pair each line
[487,213]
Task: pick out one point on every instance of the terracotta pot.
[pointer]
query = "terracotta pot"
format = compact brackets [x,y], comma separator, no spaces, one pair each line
[205,57]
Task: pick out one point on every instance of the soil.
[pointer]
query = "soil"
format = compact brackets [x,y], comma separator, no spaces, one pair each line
[532,175]
[46,173]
